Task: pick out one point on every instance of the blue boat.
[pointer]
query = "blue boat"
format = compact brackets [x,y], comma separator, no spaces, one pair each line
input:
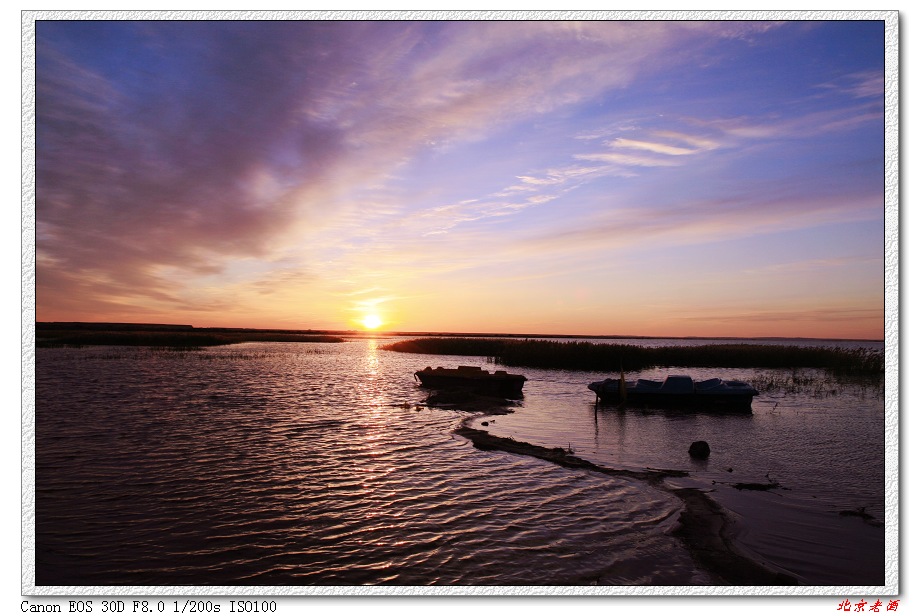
[676,391]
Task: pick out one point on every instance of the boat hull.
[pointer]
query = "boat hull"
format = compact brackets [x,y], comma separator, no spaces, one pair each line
[473,379]
[713,394]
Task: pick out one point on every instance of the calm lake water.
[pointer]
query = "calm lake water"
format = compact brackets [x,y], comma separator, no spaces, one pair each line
[321,464]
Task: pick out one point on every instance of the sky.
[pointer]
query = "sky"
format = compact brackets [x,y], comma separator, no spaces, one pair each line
[683,178]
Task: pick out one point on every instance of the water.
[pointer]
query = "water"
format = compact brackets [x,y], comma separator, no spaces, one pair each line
[321,464]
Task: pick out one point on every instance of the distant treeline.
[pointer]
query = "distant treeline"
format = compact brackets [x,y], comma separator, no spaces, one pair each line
[612,357]
[98,326]
[172,336]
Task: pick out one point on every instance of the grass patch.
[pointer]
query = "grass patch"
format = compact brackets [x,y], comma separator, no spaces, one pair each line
[818,385]
[592,356]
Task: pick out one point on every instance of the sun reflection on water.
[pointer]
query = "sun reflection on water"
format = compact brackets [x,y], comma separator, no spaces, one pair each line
[372,358]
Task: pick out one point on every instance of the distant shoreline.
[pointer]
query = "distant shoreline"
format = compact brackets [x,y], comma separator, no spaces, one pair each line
[167,327]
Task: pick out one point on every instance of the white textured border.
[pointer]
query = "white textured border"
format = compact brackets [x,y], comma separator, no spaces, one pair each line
[892,349]
[27,469]
[892,307]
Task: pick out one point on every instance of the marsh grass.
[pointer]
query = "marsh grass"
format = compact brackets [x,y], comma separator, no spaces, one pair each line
[592,356]
[820,384]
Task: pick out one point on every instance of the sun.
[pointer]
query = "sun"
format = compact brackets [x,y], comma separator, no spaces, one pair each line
[371,321]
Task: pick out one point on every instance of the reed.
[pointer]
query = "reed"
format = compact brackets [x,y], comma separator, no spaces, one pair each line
[488,347]
[592,356]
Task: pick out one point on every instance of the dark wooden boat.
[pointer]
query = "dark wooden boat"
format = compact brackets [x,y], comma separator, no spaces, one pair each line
[677,391]
[473,378]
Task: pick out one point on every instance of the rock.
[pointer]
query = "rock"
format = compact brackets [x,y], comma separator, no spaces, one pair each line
[699,450]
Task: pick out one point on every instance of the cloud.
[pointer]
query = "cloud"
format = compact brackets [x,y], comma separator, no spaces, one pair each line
[868,85]
[532,181]
[667,144]
[173,155]
[628,160]
[198,142]
[159,174]
[657,148]
[702,221]
[811,265]
[862,84]
[848,315]
[741,130]
[696,142]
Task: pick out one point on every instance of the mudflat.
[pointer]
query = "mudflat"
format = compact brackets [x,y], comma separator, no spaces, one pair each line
[705,527]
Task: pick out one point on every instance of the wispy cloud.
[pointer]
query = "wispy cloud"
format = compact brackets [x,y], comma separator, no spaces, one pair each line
[221,136]
[862,84]
[628,160]
[812,315]
[650,146]
[701,222]
[813,265]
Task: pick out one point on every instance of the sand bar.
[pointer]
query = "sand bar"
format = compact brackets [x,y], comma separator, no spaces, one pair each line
[705,527]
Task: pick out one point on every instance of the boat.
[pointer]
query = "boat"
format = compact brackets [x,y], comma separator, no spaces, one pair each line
[472,378]
[677,391]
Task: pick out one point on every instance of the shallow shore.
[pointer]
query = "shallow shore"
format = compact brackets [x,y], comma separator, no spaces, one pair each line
[705,527]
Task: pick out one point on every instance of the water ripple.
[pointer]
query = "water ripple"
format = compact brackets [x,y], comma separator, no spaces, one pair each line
[301,464]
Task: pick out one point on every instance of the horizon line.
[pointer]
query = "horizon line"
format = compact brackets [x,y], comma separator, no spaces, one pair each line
[371,333]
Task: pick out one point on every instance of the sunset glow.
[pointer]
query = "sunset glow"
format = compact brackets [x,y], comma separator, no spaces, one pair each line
[659,178]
